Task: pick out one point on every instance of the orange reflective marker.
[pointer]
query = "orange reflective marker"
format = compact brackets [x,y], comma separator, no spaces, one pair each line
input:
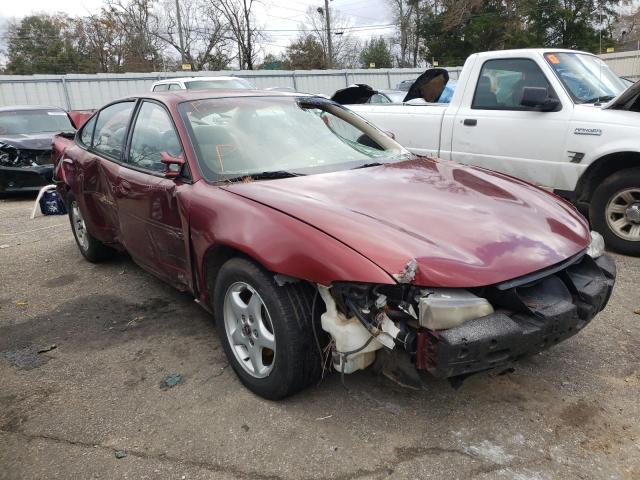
[553,59]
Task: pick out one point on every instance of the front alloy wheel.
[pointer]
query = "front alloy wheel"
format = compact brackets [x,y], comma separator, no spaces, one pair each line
[266,329]
[249,329]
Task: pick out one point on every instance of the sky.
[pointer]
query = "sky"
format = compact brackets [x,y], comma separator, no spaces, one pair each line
[279,18]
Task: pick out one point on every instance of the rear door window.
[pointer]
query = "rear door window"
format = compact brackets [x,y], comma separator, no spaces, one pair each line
[86,134]
[163,87]
[111,129]
[174,86]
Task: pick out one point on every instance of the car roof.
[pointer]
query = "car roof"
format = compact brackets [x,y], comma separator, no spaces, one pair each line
[190,79]
[174,97]
[12,108]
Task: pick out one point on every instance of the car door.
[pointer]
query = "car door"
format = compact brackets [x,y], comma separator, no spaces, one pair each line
[153,224]
[97,155]
[493,130]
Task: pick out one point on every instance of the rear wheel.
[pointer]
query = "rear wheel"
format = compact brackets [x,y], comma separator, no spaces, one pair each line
[615,211]
[266,329]
[91,248]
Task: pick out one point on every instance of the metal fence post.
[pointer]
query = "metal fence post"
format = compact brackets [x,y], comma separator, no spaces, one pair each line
[389,79]
[293,78]
[66,93]
[346,78]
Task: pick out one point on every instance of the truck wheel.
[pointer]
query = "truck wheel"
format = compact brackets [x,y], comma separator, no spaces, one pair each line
[91,248]
[615,211]
[266,329]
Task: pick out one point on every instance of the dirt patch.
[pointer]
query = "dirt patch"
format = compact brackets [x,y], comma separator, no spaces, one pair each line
[61,281]
[100,321]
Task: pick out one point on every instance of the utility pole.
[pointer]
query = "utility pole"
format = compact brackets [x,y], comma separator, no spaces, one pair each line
[180,30]
[327,17]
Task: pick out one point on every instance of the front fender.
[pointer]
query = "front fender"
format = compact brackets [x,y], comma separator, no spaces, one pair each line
[277,241]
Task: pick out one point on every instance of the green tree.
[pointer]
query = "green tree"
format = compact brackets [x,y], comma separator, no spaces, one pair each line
[376,51]
[44,44]
[305,53]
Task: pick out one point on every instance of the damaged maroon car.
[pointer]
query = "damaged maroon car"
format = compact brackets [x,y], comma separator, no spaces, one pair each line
[313,237]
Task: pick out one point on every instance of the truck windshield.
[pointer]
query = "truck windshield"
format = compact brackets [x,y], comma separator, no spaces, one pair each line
[288,136]
[587,78]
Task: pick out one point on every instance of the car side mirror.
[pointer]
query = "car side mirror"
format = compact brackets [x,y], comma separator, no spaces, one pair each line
[173,165]
[538,98]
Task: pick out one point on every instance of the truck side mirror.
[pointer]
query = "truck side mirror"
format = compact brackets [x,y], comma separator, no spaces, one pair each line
[173,165]
[538,98]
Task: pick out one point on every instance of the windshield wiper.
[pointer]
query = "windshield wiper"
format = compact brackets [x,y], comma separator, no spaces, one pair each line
[603,98]
[268,175]
[367,165]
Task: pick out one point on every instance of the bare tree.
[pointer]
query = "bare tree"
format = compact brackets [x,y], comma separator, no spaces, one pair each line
[345,47]
[204,45]
[241,28]
[408,16]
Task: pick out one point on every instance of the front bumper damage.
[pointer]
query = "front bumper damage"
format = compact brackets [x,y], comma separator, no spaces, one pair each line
[23,170]
[530,314]
[25,179]
[530,318]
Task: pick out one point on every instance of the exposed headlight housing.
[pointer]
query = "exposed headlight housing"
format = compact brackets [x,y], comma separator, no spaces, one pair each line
[444,308]
[596,247]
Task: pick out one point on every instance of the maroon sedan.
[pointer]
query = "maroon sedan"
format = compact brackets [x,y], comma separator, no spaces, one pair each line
[314,238]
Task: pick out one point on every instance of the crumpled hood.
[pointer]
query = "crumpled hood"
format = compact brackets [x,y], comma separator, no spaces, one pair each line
[39,141]
[465,226]
[626,100]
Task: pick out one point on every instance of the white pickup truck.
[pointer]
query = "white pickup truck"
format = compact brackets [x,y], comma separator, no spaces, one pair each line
[560,119]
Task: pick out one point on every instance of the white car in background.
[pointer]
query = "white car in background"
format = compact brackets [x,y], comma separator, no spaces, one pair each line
[200,83]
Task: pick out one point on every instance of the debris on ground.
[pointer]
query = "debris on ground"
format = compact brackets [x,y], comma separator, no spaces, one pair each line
[637,311]
[120,454]
[135,321]
[22,303]
[172,380]
[324,418]
[245,427]
[4,245]
[48,348]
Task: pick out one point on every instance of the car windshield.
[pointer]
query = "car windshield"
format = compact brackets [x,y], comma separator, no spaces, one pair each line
[29,122]
[230,83]
[395,97]
[587,78]
[293,136]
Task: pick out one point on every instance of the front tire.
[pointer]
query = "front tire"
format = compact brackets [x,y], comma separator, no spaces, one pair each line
[615,211]
[266,329]
[91,248]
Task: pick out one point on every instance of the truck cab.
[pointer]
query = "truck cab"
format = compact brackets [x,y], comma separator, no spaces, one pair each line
[560,119]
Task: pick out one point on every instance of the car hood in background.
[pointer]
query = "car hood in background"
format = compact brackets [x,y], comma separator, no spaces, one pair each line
[464,226]
[627,99]
[39,141]
[354,94]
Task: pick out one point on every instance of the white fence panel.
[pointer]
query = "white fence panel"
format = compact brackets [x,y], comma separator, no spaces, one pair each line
[625,64]
[77,91]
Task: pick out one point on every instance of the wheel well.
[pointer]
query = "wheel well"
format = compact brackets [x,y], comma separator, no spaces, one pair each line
[213,260]
[601,169]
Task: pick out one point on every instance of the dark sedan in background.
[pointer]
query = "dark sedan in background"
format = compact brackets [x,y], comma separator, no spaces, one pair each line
[26,133]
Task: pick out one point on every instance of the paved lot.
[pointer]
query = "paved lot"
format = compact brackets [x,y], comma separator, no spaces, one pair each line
[571,412]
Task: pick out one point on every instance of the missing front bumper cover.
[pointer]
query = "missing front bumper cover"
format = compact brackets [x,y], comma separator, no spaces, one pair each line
[534,317]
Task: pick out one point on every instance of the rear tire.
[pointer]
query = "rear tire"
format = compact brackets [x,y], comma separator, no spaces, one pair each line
[91,248]
[615,211]
[252,311]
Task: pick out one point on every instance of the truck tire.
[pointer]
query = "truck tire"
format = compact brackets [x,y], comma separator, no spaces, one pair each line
[91,248]
[615,211]
[266,329]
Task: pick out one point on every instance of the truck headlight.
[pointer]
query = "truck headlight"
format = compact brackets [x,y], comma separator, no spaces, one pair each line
[444,308]
[596,247]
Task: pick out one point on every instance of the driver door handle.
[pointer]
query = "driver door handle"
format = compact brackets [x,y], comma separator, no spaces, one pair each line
[470,122]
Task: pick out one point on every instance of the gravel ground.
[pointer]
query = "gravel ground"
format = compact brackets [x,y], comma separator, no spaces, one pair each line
[71,411]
